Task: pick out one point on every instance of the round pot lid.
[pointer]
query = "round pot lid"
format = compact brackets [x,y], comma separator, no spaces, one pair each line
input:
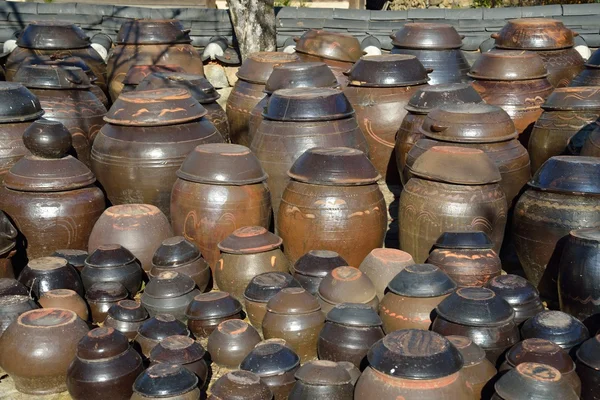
[263,287]
[475,306]
[258,66]
[329,45]
[589,352]
[501,65]
[102,343]
[200,88]
[426,35]
[415,354]
[421,280]
[534,34]
[472,354]
[478,123]
[429,97]
[240,385]
[169,284]
[128,311]
[556,326]
[137,73]
[60,61]
[53,35]
[106,292]
[156,107]
[152,31]
[19,103]
[162,326]
[213,305]
[345,285]
[319,263]
[464,240]
[52,77]
[533,381]
[354,314]
[177,349]
[540,351]
[300,75]
[334,166]
[250,240]
[165,380]
[222,164]
[515,289]
[175,251]
[109,255]
[293,300]
[269,359]
[323,373]
[568,174]
[388,70]
[580,98]
[308,104]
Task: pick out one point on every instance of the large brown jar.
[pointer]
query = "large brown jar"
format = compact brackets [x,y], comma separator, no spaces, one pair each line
[590,76]
[49,195]
[332,203]
[249,90]
[148,135]
[220,188]
[150,42]
[453,188]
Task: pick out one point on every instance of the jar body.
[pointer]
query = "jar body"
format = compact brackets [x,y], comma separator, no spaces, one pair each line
[12,148]
[562,65]
[256,313]
[401,312]
[301,332]
[408,135]
[42,281]
[202,328]
[218,117]
[347,343]
[448,65]
[176,306]
[591,147]
[240,103]
[587,77]
[467,267]
[590,381]
[127,328]
[306,391]
[197,269]
[478,375]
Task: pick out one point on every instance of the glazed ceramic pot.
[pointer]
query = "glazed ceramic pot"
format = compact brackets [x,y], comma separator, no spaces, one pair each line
[346,285]
[588,368]
[413,296]
[480,315]
[50,195]
[126,316]
[169,293]
[184,351]
[38,347]
[73,256]
[157,328]
[550,39]
[533,381]
[562,196]
[44,274]
[231,342]
[112,263]
[296,120]
[66,299]
[382,265]
[522,296]
[295,316]
[332,195]
[453,188]
[220,188]
[13,305]
[352,370]
[8,242]
[248,91]
[101,296]
[349,332]
[558,327]
[322,379]
[312,267]
[208,310]
[467,257]
[477,369]
[413,364]
[137,73]
[240,385]
[591,147]
[590,76]
[104,366]
[166,382]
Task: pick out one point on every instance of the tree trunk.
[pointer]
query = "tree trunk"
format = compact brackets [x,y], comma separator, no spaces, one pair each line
[254,25]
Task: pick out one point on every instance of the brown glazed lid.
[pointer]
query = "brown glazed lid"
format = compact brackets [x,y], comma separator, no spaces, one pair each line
[475,306]
[109,255]
[300,75]
[222,164]
[466,239]
[129,311]
[478,123]
[323,372]
[106,292]
[345,285]
[433,96]
[329,45]
[308,104]
[264,286]
[458,165]
[175,251]
[534,34]
[516,65]
[18,104]
[152,31]
[579,98]
[137,73]
[213,305]
[541,351]
[162,326]
[515,289]
[238,385]
[53,35]
[177,349]
[169,284]
[200,88]
[293,300]
[557,326]
[589,352]
[156,107]
[354,314]
[318,263]
[334,166]
[250,240]
[270,358]
[48,168]
[388,70]
[533,381]
[421,280]
[258,66]
[52,77]
[426,35]
[472,354]
[568,174]
[102,343]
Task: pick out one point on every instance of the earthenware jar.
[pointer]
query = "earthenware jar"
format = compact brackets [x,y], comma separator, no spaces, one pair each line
[458,176]
[295,316]
[200,89]
[260,290]
[75,257]
[44,274]
[67,299]
[591,147]
[480,315]
[11,286]
[184,351]
[63,184]
[166,382]
[113,263]
[415,365]
[522,296]
[157,328]
[333,194]
[533,381]
[550,39]
[568,119]
[312,267]
[101,296]
[8,242]
[126,316]
[467,257]
[240,385]
[177,254]
[563,195]
[588,368]
[346,285]
[350,330]
[137,73]
[220,188]
[412,297]
[150,42]
[13,305]
[297,120]
[382,265]
[169,293]
[38,347]
[322,379]
[208,310]
[105,366]
[248,90]
[420,104]
[437,46]
[231,342]
[590,76]
[477,369]
[558,327]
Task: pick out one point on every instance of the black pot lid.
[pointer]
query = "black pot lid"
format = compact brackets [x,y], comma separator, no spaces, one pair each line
[250,240]
[213,305]
[323,373]
[102,343]
[200,88]
[300,75]
[308,104]
[258,66]
[464,240]
[569,174]
[162,326]
[421,280]
[475,306]
[434,96]
[354,314]
[269,358]
[388,70]
[128,311]
[515,289]
[152,31]
[109,255]
[169,284]
[106,292]
[53,35]
[533,381]
[427,35]
[415,354]
[556,326]
[266,285]
[541,351]
[589,352]
[472,354]
[318,263]
[175,251]
[165,380]
[18,103]
[75,257]
[177,349]
[52,77]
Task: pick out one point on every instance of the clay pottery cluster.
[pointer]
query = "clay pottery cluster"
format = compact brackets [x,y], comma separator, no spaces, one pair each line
[126,316]
[66,299]
[148,136]
[150,42]
[346,285]
[240,385]
[588,368]
[184,351]
[558,327]
[220,188]
[332,195]
[591,147]
[562,196]
[453,188]
[533,381]
[322,379]
[522,296]
[102,296]
[568,119]
[413,364]
[467,257]
[8,239]
[104,366]
[297,120]
[382,265]
[13,305]
[437,47]
[157,328]
[112,263]
[310,269]
[44,274]
[38,347]
[169,293]
[295,316]
[249,91]
[137,73]
[75,257]
[477,369]
[166,382]
[349,332]
[548,38]
[590,76]
[208,310]
[231,342]
[50,195]
[246,253]
[413,296]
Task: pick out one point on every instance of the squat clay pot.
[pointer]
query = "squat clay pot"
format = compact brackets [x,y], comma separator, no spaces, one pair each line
[126,316]
[322,379]
[382,265]
[157,328]
[533,381]
[184,351]
[588,368]
[312,267]
[13,305]
[590,76]
[522,296]
[113,263]
[101,296]
[558,327]
[231,342]
[44,274]
[208,310]
[169,293]
[166,382]
[346,285]
[240,385]
[66,299]
[477,369]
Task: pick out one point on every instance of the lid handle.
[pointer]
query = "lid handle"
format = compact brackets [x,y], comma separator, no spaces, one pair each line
[494,35]
[438,128]
[429,70]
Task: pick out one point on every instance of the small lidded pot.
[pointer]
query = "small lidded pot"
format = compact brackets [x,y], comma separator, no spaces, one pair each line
[322,379]
[558,327]
[382,265]
[126,316]
[185,351]
[169,293]
[155,329]
[231,342]
[208,310]
[477,369]
[240,385]
[349,332]
[346,285]
[312,267]
[522,296]
[246,253]
[532,380]
[113,263]
[102,296]
[413,296]
[166,382]
[588,367]
[43,274]
[67,299]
